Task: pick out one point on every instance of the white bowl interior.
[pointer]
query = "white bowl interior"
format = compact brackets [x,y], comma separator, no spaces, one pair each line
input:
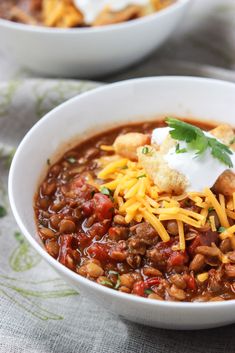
[111,105]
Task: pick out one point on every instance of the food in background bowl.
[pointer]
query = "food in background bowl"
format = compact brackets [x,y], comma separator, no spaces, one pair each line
[78,13]
[87,52]
[146,209]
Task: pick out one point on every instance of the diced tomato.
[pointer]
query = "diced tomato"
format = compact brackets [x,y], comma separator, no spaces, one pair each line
[177,259]
[84,240]
[112,232]
[209,237]
[83,191]
[99,251]
[103,206]
[138,288]
[151,282]
[99,229]
[191,283]
[68,255]
[204,238]
[195,243]
[78,182]
[88,208]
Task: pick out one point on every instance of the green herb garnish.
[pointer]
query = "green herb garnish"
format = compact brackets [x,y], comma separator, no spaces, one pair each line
[148,291]
[117,285]
[210,209]
[48,161]
[221,229]
[141,176]
[3,211]
[106,191]
[145,150]
[198,141]
[106,283]
[180,150]
[71,160]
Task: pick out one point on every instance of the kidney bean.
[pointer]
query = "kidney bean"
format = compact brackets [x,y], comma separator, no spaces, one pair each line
[118,219]
[52,247]
[178,280]
[127,280]
[155,296]
[176,293]
[93,270]
[124,289]
[225,245]
[198,263]
[67,226]
[152,272]
[172,227]
[207,251]
[230,271]
[46,233]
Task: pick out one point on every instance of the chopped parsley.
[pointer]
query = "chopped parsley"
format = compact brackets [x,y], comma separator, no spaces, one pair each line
[148,291]
[180,150]
[71,160]
[141,176]
[145,150]
[111,272]
[221,229]
[210,209]
[198,141]
[118,283]
[105,191]
[3,211]
[48,161]
[106,282]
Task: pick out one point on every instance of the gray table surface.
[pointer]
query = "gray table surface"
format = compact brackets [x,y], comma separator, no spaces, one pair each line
[39,313]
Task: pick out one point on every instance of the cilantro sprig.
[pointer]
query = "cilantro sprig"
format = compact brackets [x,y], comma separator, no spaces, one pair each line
[198,141]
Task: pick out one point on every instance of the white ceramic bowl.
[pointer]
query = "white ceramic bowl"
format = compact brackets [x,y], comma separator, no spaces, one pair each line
[89,52]
[132,100]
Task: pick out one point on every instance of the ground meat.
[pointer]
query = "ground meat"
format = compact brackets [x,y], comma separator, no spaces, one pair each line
[215,280]
[145,232]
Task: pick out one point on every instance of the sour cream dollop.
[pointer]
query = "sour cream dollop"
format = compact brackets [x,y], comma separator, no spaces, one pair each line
[201,171]
[92,8]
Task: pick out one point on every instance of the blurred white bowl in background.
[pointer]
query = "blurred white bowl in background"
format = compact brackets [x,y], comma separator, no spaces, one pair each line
[89,52]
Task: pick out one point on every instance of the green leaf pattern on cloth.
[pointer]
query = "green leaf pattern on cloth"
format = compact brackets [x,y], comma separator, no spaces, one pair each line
[24,257]
[7,92]
[22,103]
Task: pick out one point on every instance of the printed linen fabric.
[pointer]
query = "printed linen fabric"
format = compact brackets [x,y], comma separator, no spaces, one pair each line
[39,313]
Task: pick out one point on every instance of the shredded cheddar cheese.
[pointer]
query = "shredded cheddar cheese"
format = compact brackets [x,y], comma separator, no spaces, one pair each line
[181,235]
[218,208]
[212,222]
[137,198]
[228,233]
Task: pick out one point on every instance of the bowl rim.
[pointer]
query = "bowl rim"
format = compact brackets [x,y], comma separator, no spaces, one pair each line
[113,27]
[129,298]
